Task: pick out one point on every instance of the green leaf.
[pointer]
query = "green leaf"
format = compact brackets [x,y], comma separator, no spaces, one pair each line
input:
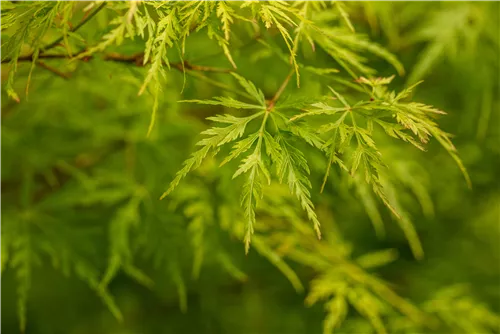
[217,137]
[251,89]
[291,166]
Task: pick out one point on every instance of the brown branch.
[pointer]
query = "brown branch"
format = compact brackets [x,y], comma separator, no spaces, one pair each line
[56,42]
[53,44]
[137,59]
[200,68]
[29,58]
[85,19]
[280,91]
[63,75]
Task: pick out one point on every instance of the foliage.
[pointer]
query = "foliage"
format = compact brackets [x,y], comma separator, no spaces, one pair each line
[306,136]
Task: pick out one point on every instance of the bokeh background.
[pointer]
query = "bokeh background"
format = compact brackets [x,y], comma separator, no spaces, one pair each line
[75,157]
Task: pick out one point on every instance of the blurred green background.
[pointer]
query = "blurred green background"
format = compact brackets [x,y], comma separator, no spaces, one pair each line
[75,157]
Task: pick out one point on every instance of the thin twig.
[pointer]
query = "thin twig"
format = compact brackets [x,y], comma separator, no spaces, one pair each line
[75,28]
[280,90]
[63,75]
[200,68]
[55,43]
[138,59]
[30,58]
[58,40]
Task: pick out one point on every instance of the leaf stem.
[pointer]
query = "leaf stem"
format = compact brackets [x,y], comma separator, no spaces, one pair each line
[280,90]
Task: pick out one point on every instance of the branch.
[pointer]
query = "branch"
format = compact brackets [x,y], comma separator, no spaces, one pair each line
[280,91]
[75,28]
[137,59]
[29,58]
[63,75]
[200,68]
